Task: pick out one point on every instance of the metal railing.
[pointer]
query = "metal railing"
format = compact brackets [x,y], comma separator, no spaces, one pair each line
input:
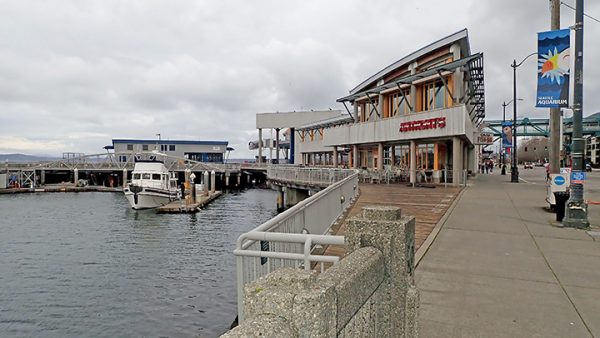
[288,239]
[308,176]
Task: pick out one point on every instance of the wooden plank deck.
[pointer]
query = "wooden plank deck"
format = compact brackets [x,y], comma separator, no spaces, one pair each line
[180,206]
[427,205]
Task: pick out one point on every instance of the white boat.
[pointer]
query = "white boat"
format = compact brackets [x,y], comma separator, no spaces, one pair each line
[151,186]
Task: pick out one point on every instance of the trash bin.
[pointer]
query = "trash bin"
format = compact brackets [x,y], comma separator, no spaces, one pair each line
[560,199]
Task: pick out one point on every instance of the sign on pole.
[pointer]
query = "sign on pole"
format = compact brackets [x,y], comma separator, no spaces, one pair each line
[553,69]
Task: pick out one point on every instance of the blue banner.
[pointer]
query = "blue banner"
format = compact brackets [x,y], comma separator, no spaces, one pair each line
[507,134]
[553,69]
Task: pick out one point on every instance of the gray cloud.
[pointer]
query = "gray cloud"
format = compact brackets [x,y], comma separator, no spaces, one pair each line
[75,74]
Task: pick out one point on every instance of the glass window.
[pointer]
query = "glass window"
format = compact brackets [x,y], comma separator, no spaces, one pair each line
[440,95]
[136,176]
[130,147]
[171,147]
[156,177]
[146,176]
[399,104]
[145,147]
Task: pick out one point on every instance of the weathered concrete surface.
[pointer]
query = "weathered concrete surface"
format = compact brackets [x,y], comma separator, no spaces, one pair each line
[269,326]
[369,293]
[354,280]
[499,268]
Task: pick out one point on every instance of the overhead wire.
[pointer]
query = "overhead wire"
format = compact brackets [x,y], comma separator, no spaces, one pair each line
[573,8]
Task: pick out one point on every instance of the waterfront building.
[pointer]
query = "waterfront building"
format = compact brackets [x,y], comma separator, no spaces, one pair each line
[203,151]
[420,114]
[287,123]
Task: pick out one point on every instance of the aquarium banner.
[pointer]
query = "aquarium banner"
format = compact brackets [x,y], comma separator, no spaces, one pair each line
[507,134]
[553,69]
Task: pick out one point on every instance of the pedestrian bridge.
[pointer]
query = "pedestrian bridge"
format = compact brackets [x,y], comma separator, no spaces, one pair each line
[540,126]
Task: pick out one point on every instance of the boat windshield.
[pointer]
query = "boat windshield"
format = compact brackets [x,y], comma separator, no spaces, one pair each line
[156,177]
[146,176]
[136,176]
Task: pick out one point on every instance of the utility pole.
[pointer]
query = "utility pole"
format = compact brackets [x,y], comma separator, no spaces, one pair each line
[576,209]
[555,135]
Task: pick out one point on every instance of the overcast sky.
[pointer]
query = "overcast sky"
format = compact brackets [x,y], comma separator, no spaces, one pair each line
[75,74]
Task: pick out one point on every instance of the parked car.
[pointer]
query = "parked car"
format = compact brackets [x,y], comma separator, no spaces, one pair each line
[528,165]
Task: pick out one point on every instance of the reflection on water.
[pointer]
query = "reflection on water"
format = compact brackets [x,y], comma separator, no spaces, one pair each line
[84,264]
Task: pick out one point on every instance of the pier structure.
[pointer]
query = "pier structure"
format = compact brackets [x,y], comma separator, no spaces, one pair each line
[294,184]
[113,170]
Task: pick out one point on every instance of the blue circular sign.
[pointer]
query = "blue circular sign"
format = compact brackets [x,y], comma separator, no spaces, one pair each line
[559,180]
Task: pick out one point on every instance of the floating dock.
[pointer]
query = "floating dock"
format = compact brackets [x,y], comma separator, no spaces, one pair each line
[181,207]
[59,188]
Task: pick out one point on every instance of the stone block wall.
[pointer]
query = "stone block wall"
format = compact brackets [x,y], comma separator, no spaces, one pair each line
[369,293]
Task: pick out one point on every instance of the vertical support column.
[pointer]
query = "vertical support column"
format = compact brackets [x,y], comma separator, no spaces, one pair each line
[456,160]
[260,144]
[43,177]
[413,162]
[335,156]
[472,159]
[292,146]
[239,179]
[354,156]
[380,156]
[413,89]
[277,145]
[125,177]
[458,82]
[206,181]
[355,104]
[380,105]
[555,122]
[227,175]
[213,182]
[280,206]
[75,176]
[393,155]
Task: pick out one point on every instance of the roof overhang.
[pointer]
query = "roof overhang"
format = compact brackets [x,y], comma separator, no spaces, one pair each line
[461,36]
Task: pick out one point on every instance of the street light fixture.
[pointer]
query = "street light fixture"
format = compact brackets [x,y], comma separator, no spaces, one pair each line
[502,150]
[514,173]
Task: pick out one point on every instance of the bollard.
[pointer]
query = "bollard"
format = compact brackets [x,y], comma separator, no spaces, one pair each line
[206,182]
[213,181]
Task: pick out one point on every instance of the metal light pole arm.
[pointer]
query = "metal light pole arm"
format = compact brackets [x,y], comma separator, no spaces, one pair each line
[516,65]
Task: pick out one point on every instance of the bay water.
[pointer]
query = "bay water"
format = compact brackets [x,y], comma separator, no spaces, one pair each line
[86,265]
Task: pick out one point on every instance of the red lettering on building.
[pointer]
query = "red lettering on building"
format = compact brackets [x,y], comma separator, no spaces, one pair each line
[434,123]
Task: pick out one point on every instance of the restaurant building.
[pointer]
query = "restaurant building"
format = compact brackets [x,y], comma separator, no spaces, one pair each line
[419,115]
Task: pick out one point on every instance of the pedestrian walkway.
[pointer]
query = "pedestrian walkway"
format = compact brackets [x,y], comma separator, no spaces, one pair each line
[498,268]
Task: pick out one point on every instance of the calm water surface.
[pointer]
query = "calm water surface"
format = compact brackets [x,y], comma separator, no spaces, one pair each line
[85,265]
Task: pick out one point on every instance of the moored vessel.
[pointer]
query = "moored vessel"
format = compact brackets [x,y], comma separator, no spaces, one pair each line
[151,186]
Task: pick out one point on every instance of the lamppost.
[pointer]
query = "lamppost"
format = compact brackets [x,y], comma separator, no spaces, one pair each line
[503,151]
[576,209]
[514,173]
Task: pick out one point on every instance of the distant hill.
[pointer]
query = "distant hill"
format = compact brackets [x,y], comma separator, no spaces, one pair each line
[22,158]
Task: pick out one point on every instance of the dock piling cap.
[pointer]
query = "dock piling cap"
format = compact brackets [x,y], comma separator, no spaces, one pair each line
[381,212]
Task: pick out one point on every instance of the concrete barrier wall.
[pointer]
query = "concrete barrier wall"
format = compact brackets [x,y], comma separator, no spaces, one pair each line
[370,293]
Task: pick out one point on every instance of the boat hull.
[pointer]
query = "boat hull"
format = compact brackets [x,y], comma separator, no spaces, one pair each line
[149,198]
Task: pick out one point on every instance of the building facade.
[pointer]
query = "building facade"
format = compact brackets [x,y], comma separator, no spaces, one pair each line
[203,151]
[420,114]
